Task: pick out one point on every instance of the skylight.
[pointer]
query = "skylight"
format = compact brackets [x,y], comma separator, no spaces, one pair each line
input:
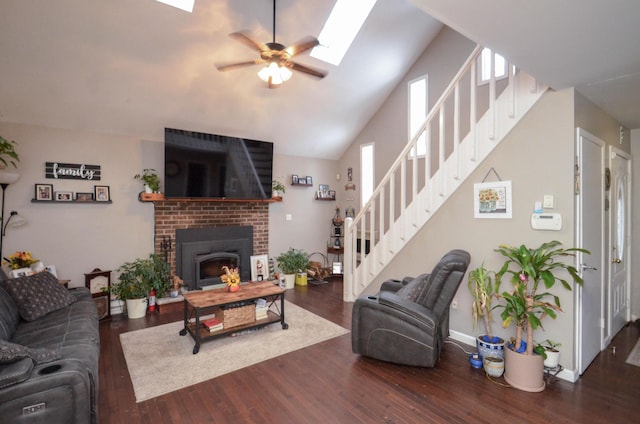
[186,5]
[344,23]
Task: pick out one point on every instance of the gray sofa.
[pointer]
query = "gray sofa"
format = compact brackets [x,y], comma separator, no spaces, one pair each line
[49,351]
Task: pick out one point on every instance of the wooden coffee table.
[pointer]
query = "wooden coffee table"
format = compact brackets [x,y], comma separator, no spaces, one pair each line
[202,302]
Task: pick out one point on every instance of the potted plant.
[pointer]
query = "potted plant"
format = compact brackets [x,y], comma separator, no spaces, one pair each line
[8,154]
[526,306]
[150,179]
[490,347]
[291,262]
[137,279]
[278,188]
[549,349]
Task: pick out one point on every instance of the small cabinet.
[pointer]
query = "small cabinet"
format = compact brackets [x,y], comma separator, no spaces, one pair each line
[99,283]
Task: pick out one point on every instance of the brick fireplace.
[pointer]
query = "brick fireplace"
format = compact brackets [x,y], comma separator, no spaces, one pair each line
[171,215]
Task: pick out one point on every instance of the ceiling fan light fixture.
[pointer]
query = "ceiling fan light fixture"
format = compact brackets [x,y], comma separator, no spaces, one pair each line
[274,74]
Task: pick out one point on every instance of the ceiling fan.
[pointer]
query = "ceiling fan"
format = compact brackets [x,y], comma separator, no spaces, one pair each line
[276,57]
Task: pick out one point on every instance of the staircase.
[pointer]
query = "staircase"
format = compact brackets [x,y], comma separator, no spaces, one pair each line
[463,127]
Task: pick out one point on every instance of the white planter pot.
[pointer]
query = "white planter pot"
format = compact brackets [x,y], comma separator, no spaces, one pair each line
[553,359]
[289,281]
[493,366]
[147,189]
[136,308]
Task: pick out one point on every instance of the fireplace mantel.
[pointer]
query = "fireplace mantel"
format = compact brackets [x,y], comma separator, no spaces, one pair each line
[213,200]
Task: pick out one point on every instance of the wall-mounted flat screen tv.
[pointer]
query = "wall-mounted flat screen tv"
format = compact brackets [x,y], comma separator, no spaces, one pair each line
[216,166]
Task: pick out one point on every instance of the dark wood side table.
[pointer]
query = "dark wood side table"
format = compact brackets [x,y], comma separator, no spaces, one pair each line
[338,252]
[99,282]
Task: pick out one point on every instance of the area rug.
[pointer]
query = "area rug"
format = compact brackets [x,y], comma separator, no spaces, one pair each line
[153,353]
[634,356]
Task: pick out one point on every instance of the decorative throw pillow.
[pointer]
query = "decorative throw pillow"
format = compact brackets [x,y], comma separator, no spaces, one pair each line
[413,288]
[11,352]
[38,294]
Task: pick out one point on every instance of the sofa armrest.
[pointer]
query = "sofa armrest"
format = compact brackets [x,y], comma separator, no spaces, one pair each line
[15,372]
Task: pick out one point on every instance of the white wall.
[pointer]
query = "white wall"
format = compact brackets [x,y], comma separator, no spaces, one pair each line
[310,223]
[77,238]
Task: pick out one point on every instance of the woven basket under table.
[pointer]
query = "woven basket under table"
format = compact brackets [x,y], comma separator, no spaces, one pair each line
[232,317]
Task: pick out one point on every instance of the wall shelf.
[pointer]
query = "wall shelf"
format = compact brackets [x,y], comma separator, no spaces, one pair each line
[87,202]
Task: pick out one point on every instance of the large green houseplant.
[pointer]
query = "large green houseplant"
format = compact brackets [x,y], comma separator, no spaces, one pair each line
[137,278]
[482,288]
[292,261]
[527,303]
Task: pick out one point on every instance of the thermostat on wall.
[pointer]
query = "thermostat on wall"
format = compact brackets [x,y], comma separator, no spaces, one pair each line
[546,221]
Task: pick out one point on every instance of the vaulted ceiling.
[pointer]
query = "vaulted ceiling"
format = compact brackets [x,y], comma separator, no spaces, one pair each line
[133,67]
[592,45]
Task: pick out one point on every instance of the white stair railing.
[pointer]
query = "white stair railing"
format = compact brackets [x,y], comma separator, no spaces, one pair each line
[462,128]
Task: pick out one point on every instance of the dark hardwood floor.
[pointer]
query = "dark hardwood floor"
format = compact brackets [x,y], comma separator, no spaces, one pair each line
[327,383]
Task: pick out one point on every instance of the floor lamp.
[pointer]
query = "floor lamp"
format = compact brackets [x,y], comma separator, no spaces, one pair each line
[6,178]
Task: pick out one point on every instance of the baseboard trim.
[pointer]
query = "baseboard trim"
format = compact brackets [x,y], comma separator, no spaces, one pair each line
[463,338]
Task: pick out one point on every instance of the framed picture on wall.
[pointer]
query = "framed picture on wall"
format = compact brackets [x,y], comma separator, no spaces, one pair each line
[64,196]
[84,197]
[259,268]
[101,193]
[492,200]
[44,191]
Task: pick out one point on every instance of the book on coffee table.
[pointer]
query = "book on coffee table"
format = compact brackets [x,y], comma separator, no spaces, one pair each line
[213,324]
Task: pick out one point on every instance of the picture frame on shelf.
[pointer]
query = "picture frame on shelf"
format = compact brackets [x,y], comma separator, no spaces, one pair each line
[323,191]
[101,193]
[84,197]
[309,180]
[259,267]
[294,179]
[44,192]
[64,196]
[331,194]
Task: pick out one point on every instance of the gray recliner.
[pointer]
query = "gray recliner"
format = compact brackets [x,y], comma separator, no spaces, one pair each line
[407,321]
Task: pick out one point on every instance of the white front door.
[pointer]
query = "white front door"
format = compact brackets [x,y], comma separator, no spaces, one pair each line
[619,274]
[590,235]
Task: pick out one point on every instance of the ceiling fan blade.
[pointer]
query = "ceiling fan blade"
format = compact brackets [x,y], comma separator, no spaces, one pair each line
[302,46]
[307,70]
[247,41]
[232,66]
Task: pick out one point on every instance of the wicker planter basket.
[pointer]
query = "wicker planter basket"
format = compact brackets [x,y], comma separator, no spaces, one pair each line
[232,317]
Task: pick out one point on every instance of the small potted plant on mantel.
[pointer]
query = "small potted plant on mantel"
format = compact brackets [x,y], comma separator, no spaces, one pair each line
[526,306]
[151,182]
[277,189]
[490,347]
